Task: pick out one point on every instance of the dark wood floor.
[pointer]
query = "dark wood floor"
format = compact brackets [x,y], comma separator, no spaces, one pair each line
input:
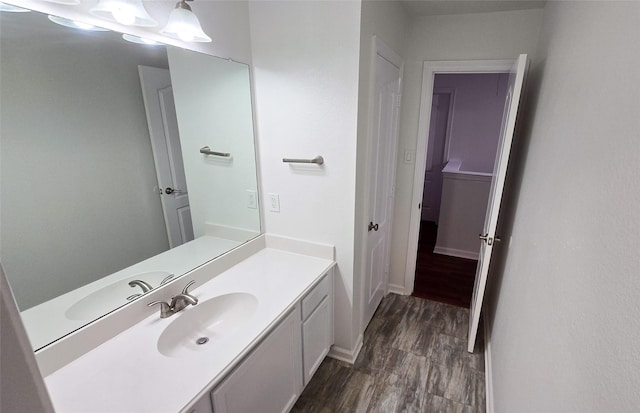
[441,277]
[414,359]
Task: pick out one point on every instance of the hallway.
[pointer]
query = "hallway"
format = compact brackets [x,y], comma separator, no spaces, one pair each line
[440,277]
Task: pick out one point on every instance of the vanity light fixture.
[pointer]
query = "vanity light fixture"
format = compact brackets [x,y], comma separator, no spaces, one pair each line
[140,40]
[67,2]
[76,24]
[184,25]
[126,12]
[12,9]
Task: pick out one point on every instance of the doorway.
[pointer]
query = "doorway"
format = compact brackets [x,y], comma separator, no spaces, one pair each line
[517,70]
[458,156]
[466,115]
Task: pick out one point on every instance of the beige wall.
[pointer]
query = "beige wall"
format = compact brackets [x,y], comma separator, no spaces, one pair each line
[501,35]
[565,327]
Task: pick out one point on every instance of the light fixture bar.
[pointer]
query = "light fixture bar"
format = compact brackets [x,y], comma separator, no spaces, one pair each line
[65,2]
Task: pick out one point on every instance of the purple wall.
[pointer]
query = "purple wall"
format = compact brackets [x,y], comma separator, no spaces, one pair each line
[477,115]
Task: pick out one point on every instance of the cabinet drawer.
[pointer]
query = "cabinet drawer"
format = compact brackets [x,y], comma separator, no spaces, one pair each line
[315,296]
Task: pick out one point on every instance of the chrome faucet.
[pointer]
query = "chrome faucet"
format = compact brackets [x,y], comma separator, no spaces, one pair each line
[178,303]
[146,287]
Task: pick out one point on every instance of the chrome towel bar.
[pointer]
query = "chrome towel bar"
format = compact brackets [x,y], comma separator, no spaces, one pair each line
[317,160]
[207,151]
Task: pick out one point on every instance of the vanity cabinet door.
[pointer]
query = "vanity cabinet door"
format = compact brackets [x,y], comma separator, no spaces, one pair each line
[269,380]
[317,325]
[317,338]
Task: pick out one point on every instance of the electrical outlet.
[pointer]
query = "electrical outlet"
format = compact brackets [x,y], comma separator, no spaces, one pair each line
[274,202]
[252,199]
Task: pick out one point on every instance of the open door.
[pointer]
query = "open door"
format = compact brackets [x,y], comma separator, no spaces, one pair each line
[488,238]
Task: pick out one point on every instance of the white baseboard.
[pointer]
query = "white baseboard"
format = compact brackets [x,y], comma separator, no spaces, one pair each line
[397,289]
[346,355]
[488,376]
[470,255]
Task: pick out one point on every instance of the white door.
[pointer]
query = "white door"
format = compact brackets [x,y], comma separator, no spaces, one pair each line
[488,236]
[384,137]
[167,155]
[435,157]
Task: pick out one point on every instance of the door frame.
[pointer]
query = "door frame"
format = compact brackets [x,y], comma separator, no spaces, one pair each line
[451,92]
[430,69]
[452,101]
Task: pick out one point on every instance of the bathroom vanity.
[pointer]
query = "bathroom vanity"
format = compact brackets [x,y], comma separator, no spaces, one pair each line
[265,325]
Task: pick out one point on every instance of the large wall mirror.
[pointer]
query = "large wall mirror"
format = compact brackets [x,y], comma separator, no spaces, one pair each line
[123,166]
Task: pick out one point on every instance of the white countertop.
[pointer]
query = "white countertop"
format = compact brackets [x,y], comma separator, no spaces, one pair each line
[129,374]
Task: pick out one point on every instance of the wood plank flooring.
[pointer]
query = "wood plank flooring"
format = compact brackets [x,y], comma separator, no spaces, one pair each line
[441,277]
[414,359]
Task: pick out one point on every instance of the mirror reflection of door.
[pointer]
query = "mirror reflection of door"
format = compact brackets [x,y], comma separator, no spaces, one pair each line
[167,154]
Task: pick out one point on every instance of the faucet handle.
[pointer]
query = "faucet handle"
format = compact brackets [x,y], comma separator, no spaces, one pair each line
[186,287]
[165,309]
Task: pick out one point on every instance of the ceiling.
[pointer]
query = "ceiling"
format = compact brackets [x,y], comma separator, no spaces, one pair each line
[440,7]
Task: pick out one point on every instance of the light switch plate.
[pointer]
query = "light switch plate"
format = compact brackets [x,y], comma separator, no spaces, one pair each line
[252,199]
[274,202]
[409,156]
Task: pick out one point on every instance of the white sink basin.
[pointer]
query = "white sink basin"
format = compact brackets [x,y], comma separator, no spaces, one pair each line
[111,296]
[200,327]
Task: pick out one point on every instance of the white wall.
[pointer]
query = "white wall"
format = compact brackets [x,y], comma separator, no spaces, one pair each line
[77,187]
[565,314]
[213,106]
[305,57]
[501,35]
[462,214]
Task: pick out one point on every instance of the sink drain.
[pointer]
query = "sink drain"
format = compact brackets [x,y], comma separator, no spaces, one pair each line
[202,340]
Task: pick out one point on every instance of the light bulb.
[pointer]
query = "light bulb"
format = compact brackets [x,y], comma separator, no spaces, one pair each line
[186,36]
[85,26]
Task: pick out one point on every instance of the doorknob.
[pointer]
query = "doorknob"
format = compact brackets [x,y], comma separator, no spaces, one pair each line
[489,240]
[373,227]
[169,191]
